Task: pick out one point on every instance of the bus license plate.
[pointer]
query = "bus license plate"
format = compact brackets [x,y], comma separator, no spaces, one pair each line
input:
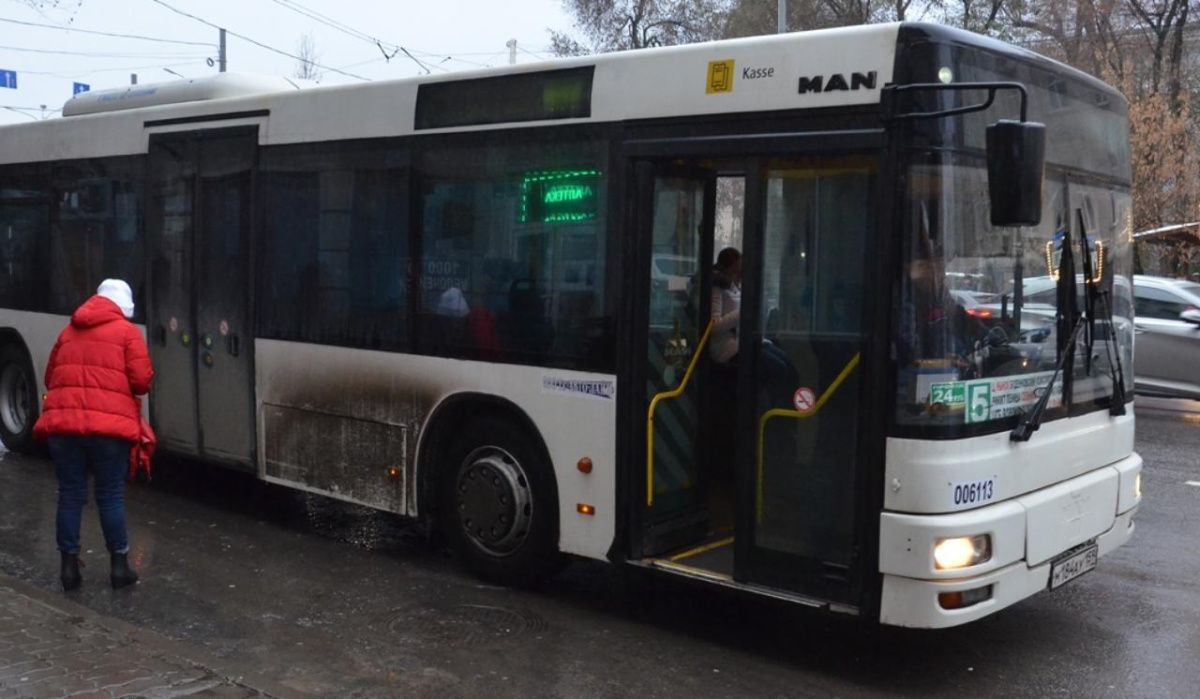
[1071,567]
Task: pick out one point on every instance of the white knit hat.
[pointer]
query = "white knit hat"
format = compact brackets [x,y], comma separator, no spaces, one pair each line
[453,304]
[118,292]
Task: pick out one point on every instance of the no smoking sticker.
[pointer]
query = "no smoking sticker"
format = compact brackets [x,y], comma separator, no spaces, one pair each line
[223,328]
[804,399]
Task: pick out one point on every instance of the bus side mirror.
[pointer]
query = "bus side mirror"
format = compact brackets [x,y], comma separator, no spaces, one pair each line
[1016,158]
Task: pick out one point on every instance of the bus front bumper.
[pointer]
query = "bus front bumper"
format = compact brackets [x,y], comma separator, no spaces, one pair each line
[1028,538]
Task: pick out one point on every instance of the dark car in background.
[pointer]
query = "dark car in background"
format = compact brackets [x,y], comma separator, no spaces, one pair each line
[1167,348]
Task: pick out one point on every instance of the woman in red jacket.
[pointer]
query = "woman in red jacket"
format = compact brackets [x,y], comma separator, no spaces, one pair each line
[91,418]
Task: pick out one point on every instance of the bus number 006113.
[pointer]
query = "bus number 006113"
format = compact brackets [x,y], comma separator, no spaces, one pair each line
[974,492]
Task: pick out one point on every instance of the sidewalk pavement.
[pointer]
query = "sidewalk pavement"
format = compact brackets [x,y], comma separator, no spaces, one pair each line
[53,647]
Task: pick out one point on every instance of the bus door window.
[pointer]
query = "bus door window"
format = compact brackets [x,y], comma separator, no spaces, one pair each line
[816,227]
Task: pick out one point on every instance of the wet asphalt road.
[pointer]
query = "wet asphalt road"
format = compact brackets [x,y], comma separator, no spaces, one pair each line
[334,600]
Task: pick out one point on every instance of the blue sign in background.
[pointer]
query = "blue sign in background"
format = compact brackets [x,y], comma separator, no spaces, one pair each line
[80,87]
[8,78]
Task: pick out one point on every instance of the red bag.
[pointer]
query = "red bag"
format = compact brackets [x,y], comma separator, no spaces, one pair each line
[142,451]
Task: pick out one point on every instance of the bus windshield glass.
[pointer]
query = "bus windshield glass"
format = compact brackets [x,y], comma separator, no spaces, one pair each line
[976,338]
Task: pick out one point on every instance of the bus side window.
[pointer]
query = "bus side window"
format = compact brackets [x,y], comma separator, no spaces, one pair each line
[518,231]
[336,226]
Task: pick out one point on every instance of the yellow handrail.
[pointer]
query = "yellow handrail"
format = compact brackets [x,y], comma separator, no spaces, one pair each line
[784,412]
[673,393]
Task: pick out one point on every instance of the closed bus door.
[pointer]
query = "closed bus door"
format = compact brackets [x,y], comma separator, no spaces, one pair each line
[198,224]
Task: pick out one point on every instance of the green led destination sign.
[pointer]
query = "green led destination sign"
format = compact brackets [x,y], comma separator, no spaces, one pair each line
[559,196]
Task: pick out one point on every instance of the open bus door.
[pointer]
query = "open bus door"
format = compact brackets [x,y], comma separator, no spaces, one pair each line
[675,205]
[793,401]
[800,396]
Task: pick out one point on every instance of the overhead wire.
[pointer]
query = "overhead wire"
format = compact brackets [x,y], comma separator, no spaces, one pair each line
[531,53]
[18,110]
[103,54]
[388,49]
[362,63]
[85,72]
[112,34]
[333,23]
[23,110]
[257,43]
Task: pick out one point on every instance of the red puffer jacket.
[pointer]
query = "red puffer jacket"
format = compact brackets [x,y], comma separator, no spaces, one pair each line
[98,365]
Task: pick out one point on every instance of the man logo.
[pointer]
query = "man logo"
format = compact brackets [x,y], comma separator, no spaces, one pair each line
[838,82]
[720,76]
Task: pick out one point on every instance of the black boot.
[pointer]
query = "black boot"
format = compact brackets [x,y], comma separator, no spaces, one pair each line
[122,574]
[69,572]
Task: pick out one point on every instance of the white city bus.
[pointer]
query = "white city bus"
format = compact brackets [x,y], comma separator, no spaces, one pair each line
[485,299]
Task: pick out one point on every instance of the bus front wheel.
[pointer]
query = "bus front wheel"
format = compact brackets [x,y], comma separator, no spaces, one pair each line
[18,400]
[498,506]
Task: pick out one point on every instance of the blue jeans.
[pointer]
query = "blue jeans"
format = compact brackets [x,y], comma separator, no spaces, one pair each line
[108,460]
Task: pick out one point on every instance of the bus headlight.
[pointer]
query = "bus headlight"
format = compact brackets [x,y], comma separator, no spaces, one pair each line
[962,551]
[1137,486]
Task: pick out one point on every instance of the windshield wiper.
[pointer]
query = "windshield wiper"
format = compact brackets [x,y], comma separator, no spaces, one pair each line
[1067,313]
[1033,419]
[1089,292]
[1093,294]
[1117,406]
[1066,302]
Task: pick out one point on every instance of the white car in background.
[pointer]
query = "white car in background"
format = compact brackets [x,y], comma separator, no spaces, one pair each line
[1167,349]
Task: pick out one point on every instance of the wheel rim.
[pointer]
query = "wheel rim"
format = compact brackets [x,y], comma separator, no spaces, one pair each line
[495,506]
[14,399]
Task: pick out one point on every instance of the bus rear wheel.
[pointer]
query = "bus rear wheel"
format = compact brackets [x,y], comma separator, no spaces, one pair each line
[498,506]
[18,400]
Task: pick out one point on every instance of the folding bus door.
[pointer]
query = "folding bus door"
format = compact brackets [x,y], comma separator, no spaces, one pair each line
[799,393]
[675,216]
[199,231]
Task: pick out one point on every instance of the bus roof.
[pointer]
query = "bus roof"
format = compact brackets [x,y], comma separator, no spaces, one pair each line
[839,67]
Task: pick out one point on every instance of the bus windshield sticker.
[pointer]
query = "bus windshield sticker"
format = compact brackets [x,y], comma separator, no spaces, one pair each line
[604,389]
[948,394]
[1005,396]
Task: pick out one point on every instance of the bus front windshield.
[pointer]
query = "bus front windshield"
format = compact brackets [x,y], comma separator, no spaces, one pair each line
[976,339]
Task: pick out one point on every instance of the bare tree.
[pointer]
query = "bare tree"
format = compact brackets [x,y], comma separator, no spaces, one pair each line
[63,10]
[1163,22]
[616,25]
[981,16]
[848,12]
[306,58]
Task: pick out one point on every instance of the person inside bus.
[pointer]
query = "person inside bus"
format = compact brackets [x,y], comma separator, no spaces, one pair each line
[933,324]
[726,308]
[481,322]
[776,372]
[91,418]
